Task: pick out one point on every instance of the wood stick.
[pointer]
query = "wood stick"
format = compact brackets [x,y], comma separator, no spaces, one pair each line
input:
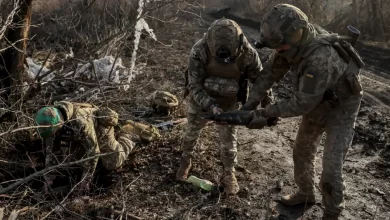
[129,216]
[42,172]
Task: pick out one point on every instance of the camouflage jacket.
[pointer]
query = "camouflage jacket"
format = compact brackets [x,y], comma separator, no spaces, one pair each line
[81,125]
[319,69]
[198,60]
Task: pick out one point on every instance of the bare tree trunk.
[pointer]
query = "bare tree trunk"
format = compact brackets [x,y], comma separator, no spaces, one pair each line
[13,59]
[382,18]
[375,26]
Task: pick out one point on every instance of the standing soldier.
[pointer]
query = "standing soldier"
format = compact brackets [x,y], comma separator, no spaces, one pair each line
[329,94]
[220,65]
[93,127]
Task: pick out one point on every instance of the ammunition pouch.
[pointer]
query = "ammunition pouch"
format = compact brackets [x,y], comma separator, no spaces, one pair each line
[221,87]
[349,83]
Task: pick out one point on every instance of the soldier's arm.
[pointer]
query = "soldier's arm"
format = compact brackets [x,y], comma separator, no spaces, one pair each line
[196,77]
[252,64]
[118,148]
[313,82]
[86,126]
[274,70]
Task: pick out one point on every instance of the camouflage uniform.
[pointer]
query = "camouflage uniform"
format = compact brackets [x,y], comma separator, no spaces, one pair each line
[318,68]
[211,83]
[82,125]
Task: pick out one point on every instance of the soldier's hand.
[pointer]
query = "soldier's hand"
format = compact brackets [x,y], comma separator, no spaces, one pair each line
[250,105]
[272,121]
[258,121]
[217,110]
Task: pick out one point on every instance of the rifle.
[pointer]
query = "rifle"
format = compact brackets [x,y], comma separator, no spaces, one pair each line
[167,124]
[236,117]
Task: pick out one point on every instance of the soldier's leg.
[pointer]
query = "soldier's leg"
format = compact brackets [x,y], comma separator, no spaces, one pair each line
[338,140]
[190,139]
[228,145]
[305,148]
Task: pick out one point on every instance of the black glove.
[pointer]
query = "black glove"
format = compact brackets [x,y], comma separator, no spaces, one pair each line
[272,121]
[258,121]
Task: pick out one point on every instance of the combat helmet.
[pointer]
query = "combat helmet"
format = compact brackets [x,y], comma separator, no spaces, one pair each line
[163,102]
[51,119]
[280,26]
[224,40]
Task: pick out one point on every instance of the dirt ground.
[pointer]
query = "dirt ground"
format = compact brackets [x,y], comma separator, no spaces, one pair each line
[145,187]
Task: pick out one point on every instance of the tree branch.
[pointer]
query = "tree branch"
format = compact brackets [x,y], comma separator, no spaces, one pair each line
[42,172]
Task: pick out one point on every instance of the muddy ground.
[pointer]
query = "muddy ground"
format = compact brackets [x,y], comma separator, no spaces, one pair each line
[145,187]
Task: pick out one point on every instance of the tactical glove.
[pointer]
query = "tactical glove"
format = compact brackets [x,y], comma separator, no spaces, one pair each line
[272,121]
[258,121]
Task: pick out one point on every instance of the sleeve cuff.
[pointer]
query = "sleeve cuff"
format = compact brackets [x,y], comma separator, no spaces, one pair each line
[272,111]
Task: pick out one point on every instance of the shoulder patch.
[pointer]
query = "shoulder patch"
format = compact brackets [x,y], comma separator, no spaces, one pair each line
[310,74]
[309,83]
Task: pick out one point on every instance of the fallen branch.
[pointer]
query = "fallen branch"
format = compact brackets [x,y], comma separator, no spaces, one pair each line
[42,172]
[27,128]
[128,215]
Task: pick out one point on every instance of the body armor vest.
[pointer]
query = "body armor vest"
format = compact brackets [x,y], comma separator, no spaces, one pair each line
[222,82]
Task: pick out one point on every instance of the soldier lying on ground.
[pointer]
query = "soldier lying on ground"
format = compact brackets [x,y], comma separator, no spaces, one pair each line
[220,65]
[89,125]
[328,97]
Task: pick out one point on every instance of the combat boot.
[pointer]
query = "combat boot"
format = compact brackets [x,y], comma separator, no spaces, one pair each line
[230,184]
[297,198]
[330,216]
[185,166]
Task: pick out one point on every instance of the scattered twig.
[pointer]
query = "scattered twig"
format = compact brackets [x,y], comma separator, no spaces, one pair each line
[1,213]
[128,215]
[43,64]
[64,199]
[98,82]
[248,142]
[14,215]
[42,172]
[27,128]
[116,58]
[9,19]
[132,182]
[376,212]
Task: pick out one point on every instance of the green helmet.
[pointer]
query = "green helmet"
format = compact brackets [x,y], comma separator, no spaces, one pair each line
[48,116]
[280,23]
[224,40]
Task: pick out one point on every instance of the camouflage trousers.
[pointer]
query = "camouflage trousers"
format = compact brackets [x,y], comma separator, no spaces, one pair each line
[227,137]
[119,148]
[339,135]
